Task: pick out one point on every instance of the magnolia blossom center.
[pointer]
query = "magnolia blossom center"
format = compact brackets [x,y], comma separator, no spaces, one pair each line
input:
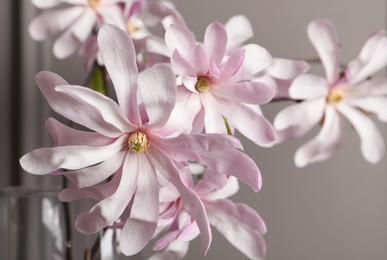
[132,27]
[335,96]
[94,3]
[138,142]
[202,84]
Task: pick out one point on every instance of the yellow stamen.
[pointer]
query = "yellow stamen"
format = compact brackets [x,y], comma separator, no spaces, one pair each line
[94,3]
[202,84]
[138,142]
[335,96]
[132,27]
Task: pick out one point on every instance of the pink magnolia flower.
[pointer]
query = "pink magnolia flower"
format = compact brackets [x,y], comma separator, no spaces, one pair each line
[238,223]
[129,140]
[350,94]
[216,85]
[74,23]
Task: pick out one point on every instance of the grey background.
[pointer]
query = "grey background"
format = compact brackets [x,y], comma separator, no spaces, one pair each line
[331,210]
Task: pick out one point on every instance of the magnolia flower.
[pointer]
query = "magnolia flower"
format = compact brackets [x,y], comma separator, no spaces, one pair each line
[129,139]
[215,85]
[75,23]
[351,94]
[238,223]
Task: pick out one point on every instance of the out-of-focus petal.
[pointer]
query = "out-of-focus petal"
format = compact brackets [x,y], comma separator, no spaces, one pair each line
[53,22]
[306,112]
[287,69]
[191,201]
[231,188]
[113,14]
[324,38]
[308,87]
[215,42]
[179,38]
[47,160]
[372,143]
[372,58]
[240,225]
[110,209]
[232,64]
[239,30]
[157,88]
[181,66]
[372,104]
[119,56]
[245,92]
[142,222]
[250,123]
[373,87]
[175,251]
[325,143]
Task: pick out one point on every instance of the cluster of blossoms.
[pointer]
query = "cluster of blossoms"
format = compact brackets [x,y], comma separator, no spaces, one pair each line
[161,161]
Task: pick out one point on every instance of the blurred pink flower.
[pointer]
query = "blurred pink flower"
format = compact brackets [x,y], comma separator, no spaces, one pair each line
[75,23]
[352,95]
[129,138]
[238,223]
[216,84]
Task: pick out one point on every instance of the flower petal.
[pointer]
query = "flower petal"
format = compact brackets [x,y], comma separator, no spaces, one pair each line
[240,225]
[179,38]
[232,64]
[213,119]
[119,56]
[325,143]
[324,38]
[239,30]
[372,143]
[215,42]
[199,61]
[248,121]
[181,65]
[191,200]
[53,22]
[373,105]
[245,92]
[175,251]
[142,223]
[109,210]
[307,112]
[157,88]
[372,58]
[48,160]
[287,69]
[308,87]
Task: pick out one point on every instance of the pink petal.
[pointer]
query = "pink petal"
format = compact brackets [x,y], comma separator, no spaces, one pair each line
[308,87]
[53,22]
[95,174]
[325,143]
[63,135]
[245,92]
[199,61]
[48,160]
[324,38]
[307,112]
[191,201]
[215,42]
[229,189]
[112,14]
[213,119]
[372,58]
[248,121]
[175,251]
[181,65]
[232,64]
[240,225]
[239,30]
[142,223]
[374,87]
[374,105]
[179,38]
[109,210]
[157,88]
[43,4]
[287,69]
[75,35]
[372,143]
[256,60]
[119,56]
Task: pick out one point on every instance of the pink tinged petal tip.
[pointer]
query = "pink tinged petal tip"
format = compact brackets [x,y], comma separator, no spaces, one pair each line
[287,69]
[179,38]
[239,30]
[324,38]
[215,42]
